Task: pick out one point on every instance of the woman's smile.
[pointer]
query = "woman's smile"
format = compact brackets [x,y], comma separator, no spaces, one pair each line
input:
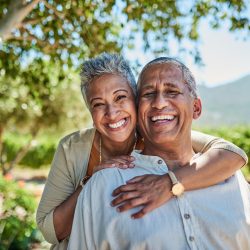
[118,125]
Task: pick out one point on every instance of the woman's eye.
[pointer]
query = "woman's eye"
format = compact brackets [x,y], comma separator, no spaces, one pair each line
[97,105]
[118,98]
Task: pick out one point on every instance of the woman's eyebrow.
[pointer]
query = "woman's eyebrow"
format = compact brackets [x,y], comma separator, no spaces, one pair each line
[94,99]
[120,90]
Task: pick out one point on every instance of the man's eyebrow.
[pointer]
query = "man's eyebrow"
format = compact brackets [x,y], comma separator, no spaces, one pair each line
[171,85]
[147,86]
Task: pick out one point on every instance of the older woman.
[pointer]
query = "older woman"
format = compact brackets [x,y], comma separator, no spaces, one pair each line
[109,90]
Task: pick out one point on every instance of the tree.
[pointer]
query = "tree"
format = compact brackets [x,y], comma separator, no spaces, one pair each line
[72,29]
[40,40]
[39,97]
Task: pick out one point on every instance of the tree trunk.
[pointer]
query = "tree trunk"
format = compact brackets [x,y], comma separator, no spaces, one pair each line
[17,11]
[1,148]
[22,152]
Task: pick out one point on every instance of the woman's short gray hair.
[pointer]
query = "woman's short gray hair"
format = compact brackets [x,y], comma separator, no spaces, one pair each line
[105,64]
[187,74]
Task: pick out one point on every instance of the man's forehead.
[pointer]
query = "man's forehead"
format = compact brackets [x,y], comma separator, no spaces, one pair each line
[163,71]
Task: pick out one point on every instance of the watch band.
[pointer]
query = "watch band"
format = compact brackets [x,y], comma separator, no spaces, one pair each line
[173,177]
[177,187]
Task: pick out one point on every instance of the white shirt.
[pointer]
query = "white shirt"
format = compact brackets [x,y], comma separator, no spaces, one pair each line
[217,217]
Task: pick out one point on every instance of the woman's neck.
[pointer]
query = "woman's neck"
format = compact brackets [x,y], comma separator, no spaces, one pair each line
[110,148]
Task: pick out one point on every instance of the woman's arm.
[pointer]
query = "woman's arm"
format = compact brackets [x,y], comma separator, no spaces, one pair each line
[57,206]
[219,161]
[58,188]
[64,214]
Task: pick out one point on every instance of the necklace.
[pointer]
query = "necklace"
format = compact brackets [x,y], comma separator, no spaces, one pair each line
[100,147]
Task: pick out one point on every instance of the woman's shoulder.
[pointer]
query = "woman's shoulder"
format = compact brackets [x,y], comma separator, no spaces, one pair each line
[78,137]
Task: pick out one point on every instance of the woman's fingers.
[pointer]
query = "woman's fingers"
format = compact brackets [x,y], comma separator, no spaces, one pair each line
[123,162]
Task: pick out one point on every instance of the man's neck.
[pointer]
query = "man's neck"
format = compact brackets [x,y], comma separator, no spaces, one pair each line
[175,155]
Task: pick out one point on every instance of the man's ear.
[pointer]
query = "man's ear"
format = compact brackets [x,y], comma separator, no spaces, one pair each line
[197,108]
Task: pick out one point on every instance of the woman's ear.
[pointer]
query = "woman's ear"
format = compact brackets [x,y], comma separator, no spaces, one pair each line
[197,108]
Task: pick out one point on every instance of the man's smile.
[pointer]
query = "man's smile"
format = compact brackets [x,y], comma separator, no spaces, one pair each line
[160,118]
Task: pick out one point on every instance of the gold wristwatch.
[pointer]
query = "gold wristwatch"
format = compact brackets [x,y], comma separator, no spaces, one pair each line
[177,188]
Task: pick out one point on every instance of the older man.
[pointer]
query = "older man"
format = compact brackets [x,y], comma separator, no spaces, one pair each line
[217,217]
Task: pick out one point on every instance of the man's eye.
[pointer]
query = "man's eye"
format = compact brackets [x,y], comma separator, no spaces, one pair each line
[119,97]
[148,94]
[173,93]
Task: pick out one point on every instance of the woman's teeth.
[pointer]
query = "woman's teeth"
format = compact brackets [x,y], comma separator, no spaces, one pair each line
[117,124]
[162,117]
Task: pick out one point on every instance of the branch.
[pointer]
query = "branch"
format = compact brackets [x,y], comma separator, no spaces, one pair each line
[30,21]
[49,6]
[23,151]
[16,13]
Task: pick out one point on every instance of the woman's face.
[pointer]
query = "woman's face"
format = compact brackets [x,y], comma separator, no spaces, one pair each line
[112,106]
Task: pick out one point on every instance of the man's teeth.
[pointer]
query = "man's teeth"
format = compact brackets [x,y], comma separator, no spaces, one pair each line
[162,117]
[117,124]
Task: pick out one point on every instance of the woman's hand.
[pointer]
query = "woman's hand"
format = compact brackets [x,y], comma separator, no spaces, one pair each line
[123,162]
[150,191]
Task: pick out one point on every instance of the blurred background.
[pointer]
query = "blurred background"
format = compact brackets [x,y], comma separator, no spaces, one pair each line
[42,45]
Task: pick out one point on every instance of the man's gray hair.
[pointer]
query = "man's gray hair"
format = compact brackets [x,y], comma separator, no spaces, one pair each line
[187,74]
[105,64]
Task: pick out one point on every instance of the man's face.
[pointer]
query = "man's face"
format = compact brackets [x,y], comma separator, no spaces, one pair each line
[166,108]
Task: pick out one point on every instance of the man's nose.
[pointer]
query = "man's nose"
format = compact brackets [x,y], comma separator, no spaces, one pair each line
[112,111]
[160,102]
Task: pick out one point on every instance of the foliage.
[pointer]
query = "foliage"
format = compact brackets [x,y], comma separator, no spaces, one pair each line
[240,136]
[17,222]
[71,29]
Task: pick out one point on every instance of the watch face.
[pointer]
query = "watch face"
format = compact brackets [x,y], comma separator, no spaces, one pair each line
[177,189]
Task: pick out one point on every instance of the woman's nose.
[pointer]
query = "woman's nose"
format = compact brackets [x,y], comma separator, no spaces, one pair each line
[112,111]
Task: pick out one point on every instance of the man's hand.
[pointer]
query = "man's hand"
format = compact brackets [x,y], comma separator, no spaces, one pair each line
[150,191]
[123,162]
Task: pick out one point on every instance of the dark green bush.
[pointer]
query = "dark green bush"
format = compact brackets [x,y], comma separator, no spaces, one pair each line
[40,153]
[240,136]
[17,222]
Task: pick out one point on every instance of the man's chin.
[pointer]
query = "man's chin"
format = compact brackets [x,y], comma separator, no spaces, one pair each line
[163,138]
